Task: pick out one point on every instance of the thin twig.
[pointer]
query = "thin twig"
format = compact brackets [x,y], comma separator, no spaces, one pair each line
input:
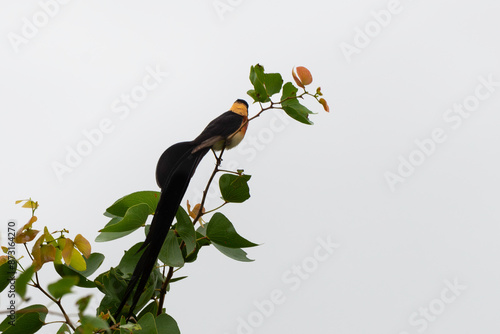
[163,290]
[205,192]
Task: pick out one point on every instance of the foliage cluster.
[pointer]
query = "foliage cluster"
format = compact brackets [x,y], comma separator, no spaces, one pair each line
[192,231]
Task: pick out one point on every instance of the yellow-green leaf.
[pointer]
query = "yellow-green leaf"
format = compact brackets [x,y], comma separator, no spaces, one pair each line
[48,237]
[77,261]
[58,259]
[30,204]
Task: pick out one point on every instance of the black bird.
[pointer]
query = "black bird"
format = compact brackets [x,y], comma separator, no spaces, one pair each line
[174,170]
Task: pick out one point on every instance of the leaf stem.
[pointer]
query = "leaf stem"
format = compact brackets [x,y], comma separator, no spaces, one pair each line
[217,208]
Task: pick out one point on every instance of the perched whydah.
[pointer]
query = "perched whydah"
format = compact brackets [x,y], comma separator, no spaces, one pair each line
[173,173]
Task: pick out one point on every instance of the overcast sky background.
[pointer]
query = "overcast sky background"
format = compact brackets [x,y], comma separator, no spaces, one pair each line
[416,247]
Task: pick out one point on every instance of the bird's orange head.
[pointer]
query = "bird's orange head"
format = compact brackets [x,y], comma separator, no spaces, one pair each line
[240,107]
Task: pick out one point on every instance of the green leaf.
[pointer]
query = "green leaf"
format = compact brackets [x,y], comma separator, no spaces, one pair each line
[273,83]
[253,94]
[123,322]
[201,240]
[129,260]
[83,303]
[107,236]
[191,257]
[64,329]
[259,92]
[177,279]
[63,286]
[289,91]
[7,273]
[237,254]
[93,324]
[134,218]
[163,324]
[265,84]
[23,280]
[152,289]
[292,106]
[167,325]
[222,232]
[93,263]
[151,308]
[113,285]
[64,271]
[298,112]
[148,324]
[170,253]
[27,320]
[120,207]
[234,188]
[128,328]
[201,233]
[185,229]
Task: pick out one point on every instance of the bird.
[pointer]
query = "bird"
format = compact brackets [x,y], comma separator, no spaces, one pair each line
[174,171]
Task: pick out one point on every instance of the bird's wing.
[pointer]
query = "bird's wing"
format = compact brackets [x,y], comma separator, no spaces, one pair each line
[219,129]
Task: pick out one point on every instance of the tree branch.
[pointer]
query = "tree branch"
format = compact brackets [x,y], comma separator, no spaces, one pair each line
[37,285]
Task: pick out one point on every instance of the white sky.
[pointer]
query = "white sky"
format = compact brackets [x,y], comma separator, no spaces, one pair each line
[401,247]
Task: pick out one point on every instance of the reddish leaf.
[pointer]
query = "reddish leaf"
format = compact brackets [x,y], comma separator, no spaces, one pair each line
[25,236]
[303,76]
[297,80]
[67,251]
[194,213]
[36,252]
[47,253]
[325,105]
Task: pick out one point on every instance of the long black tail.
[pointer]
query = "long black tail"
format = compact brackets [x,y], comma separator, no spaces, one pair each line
[174,171]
